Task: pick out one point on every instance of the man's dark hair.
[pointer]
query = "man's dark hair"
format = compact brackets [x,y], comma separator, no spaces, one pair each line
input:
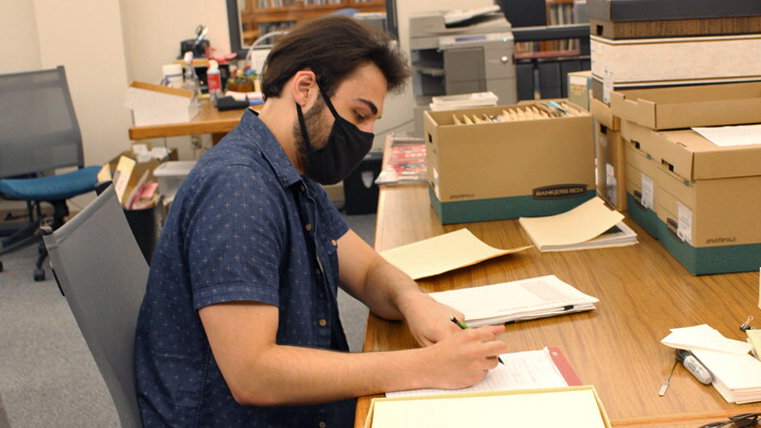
[333,46]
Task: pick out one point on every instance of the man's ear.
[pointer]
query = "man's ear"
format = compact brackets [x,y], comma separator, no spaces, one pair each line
[304,87]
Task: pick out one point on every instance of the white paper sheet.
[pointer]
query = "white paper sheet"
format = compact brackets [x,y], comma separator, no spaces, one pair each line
[703,337]
[725,136]
[521,370]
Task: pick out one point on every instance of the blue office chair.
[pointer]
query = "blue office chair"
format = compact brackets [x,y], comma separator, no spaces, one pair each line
[39,133]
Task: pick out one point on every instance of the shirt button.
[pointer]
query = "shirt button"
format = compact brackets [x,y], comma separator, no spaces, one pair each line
[317,272]
[308,227]
[321,425]
[302,188]
[333,241]
[323,323]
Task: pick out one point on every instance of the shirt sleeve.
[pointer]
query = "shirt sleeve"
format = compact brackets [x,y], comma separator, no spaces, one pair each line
[233,240]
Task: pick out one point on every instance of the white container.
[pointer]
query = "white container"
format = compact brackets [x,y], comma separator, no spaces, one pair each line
[170,175]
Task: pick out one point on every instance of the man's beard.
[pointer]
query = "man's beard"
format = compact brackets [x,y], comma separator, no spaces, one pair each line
[317,130]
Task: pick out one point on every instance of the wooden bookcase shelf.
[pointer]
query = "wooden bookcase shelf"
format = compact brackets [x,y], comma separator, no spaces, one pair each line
[257,20]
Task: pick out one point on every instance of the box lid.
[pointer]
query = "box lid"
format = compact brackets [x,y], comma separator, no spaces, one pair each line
[174,168]
[659,10]
[693,157]
[687,106]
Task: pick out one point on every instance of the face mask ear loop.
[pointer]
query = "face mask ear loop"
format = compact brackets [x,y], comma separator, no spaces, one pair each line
[327,100]
[303,127]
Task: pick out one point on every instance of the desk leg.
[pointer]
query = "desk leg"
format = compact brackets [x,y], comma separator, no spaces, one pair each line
[217,137]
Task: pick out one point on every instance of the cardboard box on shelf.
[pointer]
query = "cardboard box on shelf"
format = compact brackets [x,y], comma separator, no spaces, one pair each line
[641,187]
[492,171]
[687,106]
[579,85]
[708,202]
[661,27]
[677,60]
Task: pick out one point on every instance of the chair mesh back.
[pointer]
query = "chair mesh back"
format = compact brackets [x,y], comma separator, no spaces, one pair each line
[38,126]
[103,275]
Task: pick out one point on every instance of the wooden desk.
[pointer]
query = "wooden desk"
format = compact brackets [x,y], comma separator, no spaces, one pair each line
[643,293]
[209,121]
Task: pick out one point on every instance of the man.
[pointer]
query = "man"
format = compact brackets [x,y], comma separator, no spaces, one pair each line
[239,326]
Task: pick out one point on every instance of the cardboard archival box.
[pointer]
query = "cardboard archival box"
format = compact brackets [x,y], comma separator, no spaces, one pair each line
[677,61]
[644,138]
[708,202]
[680,107]
[675,27]
[506,170]
[579,85]
[158,105]
[611,166]
[653,10]
[641,187]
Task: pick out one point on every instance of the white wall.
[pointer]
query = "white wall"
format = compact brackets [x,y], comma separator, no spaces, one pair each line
[399,109]
[19,46]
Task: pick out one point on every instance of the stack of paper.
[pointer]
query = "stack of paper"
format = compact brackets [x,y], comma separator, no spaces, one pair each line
[590,225]
[736,375]
[518,300]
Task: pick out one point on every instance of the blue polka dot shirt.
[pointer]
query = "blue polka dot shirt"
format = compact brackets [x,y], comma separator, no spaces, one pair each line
[244,226]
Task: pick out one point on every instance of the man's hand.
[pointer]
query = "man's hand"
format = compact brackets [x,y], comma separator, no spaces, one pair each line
[464,358]
[428,320]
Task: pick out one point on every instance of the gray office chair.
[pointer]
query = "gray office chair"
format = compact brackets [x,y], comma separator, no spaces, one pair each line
[38,134]
[101,271]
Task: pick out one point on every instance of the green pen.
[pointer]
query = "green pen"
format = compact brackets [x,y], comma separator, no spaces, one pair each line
[464,326]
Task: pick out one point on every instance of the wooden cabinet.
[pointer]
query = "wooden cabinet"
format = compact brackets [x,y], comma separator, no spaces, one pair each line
[259,17]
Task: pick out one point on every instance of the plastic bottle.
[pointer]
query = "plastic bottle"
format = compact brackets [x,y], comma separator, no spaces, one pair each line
[191,78]
[214,81]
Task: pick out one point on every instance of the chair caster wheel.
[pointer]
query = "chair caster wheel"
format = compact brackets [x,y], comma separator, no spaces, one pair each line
[39,275]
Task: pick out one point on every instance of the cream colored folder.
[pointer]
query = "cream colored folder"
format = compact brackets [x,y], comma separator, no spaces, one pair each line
[442,253]
[570,407]
[579,225]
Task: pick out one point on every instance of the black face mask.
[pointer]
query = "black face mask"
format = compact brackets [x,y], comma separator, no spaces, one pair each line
[344,150]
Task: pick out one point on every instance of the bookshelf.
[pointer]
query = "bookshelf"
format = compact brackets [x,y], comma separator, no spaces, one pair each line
[259,17]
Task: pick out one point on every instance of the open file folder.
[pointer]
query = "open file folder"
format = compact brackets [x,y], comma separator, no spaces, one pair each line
[590,225]
[531,298]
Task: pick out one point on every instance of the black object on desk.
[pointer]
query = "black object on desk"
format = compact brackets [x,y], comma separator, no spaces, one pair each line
[360,190]
[230,103]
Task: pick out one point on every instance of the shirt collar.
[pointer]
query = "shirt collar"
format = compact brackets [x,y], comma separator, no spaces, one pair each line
[271,149]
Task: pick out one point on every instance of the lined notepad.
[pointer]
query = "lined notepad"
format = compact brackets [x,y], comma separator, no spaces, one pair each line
[521,370]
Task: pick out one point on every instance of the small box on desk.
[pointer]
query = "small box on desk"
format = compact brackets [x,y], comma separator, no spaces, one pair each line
[158,105]
[511,169]
[687,106]
[708,202]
